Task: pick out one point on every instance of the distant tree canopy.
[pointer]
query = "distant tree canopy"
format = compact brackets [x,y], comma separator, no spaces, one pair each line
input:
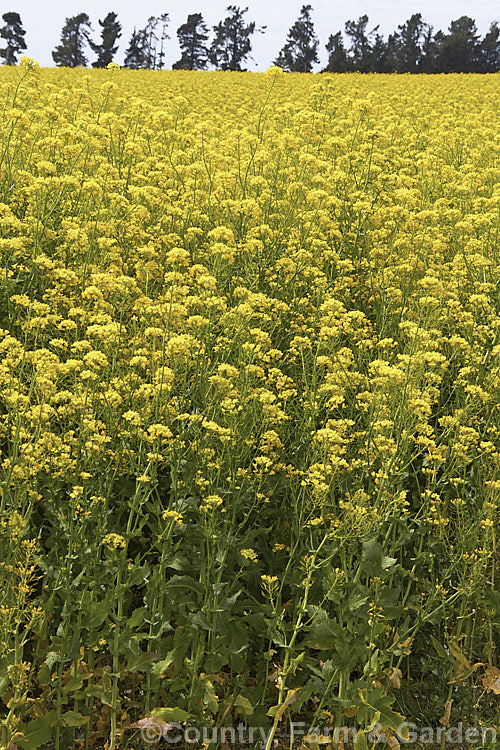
[13,33]
[134,54]
[231,45]
[193,36]
[74,35]
[490,50]
[361,52]
[337,54]
[301,47]
[110,31]
[414,47]
[147,46]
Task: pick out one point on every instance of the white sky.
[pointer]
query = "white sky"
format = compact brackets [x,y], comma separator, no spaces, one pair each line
[43,19]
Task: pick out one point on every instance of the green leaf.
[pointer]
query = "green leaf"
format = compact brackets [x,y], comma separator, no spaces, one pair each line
[356,601]
[142,662]
[372,551]
[294,663]
[136,618]
[161,666]
[361,743]
[139,575]
[4,684]
[38,732]
[210,699]
[440,650]
[493,599]
[304,695]
[381,704]
[170,714]
[74,683]
[325,635]
[95,691]
[181,563]
[98,611]
[241,702]
[106,698]
[278,710]
[75,719]
[229,602]
[43,676]
[184,582]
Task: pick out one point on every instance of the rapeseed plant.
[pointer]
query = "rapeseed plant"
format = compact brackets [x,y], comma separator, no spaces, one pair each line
[249,330]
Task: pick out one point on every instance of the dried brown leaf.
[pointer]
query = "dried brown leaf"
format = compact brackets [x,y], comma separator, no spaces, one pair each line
[393,742]
[395,677]
[491,680]
[445,718]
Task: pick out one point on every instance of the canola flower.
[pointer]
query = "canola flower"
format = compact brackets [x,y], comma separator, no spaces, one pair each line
[269,302]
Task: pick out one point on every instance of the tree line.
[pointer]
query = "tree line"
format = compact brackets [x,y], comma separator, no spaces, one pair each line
[413,48]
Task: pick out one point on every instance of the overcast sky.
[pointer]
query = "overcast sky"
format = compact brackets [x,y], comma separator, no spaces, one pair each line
[43,19]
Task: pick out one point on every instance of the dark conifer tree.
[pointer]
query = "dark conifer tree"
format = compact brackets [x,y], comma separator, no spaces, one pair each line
[338,61]
[135,54]
[361,49]
[231,45]
[193,36]
[111,30]
[490,50]
[301,47]
[391,54]
[74,35]
[14,34]
[146,46]
[378,62]
[431,45]
[410,39]
[460,49]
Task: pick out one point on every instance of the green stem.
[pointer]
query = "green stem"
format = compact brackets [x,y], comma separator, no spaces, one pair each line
[116,662]
[57,742]
[286,662]
[88,700]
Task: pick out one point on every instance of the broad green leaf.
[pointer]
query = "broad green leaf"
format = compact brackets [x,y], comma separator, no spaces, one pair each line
[167,714]
[98,612]
[74,683]
[75,719]
[135,618]
[38,732]
[325,635]
[95,691]
[241,702]
[139,575]
[161,666]
[142,663]
[381,704]
[372,551]
[361,743]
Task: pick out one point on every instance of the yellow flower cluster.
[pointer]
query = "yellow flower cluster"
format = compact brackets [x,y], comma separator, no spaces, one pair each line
[152,232]
[114,541]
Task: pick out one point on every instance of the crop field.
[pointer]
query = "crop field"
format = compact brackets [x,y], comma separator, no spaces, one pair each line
[249,408]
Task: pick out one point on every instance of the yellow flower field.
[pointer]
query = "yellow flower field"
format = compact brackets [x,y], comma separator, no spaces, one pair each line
[250,387]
